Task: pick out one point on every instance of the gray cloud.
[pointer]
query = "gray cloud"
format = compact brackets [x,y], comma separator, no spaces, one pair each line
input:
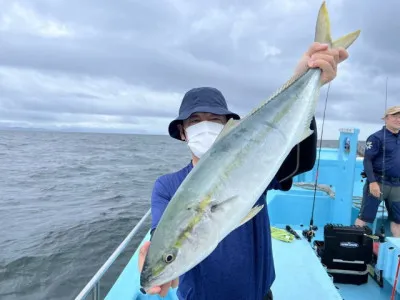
[79,62]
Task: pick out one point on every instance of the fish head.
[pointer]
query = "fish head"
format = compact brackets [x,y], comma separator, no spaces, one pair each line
[171,252]
[160,266]
[184,236]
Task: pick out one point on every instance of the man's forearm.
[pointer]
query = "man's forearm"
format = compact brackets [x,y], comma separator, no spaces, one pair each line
[369,171]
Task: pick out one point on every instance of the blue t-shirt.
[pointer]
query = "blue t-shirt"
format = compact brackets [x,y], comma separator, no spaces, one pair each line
[240,268]
[373,157]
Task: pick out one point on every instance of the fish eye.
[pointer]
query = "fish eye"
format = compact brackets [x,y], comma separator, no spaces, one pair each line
[168,257]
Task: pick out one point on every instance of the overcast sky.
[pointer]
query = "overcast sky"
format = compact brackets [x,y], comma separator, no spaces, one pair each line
[125,65]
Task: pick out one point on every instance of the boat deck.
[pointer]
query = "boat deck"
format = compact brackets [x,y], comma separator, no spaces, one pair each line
[299,272]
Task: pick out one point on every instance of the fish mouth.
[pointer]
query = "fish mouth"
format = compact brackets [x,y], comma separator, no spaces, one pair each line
[147,283]
[147,280]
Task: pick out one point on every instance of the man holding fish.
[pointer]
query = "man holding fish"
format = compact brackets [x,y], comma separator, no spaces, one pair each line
[207,243]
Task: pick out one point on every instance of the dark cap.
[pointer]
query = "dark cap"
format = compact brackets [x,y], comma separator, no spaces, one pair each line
[202,99]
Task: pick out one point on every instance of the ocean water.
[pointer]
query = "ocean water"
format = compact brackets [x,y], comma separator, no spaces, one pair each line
[67,200]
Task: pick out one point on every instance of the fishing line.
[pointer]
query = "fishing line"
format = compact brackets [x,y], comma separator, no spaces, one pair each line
[383,167]
[310,233]
[319,155]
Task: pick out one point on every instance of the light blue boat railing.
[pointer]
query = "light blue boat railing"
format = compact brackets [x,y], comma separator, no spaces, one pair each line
[93,286]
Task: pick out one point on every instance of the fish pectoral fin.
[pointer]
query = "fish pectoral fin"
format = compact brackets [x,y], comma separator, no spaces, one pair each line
[323,31]
[227,128]
[253,212]
[217,205]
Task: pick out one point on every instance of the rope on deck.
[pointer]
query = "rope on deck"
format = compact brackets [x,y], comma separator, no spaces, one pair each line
[327,189]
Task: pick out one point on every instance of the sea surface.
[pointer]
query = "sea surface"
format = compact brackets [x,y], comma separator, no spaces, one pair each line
[67,200]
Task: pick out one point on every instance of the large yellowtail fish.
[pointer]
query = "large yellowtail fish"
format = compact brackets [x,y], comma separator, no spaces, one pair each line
[219,193]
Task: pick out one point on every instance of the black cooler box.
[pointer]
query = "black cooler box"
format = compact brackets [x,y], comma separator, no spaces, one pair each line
[346,252]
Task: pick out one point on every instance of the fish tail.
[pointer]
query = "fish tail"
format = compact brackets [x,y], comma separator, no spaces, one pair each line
[323,31]
[346,40]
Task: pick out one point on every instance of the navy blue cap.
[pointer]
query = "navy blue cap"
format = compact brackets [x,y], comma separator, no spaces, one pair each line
[202,99]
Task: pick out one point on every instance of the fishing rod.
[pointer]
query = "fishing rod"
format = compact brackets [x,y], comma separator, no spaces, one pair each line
[382,231]
[310,233]
[395,281]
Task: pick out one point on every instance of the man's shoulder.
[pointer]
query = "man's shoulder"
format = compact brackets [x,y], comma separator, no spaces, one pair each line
[377,134]
[174,178]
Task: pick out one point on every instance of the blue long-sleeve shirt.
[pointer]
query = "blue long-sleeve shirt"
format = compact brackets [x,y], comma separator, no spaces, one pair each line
[241,267]
[374,166]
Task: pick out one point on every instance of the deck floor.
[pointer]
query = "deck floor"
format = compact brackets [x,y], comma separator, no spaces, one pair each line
[368,291]
[299,274]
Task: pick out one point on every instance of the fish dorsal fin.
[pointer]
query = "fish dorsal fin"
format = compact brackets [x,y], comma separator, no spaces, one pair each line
[307,132]
[227,128]
[286,85]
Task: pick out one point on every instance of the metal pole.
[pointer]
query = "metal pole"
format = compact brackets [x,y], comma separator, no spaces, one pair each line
[96,291]
[93,283]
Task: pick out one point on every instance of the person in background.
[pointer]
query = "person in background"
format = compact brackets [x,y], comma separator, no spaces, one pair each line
[241,267]
[383,172]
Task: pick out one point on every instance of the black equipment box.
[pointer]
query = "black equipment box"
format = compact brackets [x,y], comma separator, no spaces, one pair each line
[346,252]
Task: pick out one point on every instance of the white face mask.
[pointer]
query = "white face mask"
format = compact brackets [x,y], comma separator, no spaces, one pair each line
[201,136]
